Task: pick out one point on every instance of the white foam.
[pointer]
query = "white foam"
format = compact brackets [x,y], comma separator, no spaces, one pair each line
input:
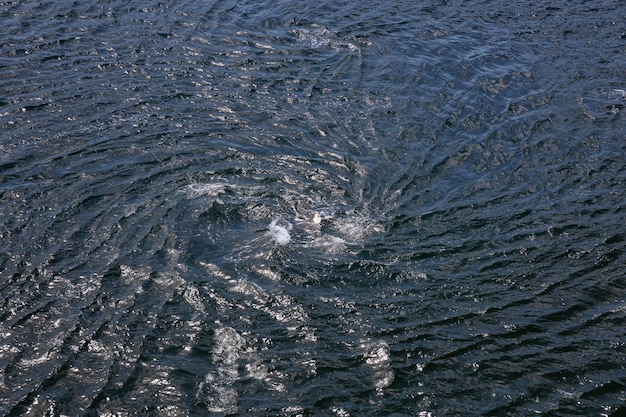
[280,234]
[377,357]
[211,190]
[619,93]
[193,298]
[228,345]
[320,37]
[356,228]
[331,244]
[217,388]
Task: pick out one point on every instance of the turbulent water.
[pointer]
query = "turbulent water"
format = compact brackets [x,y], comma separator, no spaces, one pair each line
[329,208]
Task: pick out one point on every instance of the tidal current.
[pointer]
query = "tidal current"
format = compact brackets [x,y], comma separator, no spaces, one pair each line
[329,208]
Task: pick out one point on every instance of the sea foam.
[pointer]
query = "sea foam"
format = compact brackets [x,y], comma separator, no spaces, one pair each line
[280,234]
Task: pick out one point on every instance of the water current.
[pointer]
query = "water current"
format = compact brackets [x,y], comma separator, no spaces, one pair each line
[320,208]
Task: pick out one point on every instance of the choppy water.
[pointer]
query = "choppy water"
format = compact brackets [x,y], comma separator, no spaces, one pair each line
[289,208]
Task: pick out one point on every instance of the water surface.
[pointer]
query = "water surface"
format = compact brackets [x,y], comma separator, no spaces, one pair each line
[324,208]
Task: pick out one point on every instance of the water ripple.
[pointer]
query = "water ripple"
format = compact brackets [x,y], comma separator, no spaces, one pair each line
[245,208]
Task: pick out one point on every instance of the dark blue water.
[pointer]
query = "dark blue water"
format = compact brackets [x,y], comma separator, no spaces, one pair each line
[281,208]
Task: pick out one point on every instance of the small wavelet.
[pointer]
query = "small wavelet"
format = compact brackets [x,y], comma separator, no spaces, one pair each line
[311,208]
[320,37]
[330,244]
[603,105]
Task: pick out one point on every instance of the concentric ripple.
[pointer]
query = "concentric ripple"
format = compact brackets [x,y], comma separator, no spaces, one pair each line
[328,208]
